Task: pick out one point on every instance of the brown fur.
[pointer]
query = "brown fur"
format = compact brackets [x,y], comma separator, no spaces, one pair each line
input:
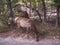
[24,22]
[23,14]
[28,24]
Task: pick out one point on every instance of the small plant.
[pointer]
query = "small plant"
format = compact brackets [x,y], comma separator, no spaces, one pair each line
[43,32]
[3,29]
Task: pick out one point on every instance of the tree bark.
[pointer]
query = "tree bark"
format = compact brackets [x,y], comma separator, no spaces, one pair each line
[57,17]
[44,9]
[9,7]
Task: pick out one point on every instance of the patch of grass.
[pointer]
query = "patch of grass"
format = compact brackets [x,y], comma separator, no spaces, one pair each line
[3,29]
[43,32]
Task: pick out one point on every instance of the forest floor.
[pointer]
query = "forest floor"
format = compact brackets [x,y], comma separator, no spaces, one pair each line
[47,31]
[49,36]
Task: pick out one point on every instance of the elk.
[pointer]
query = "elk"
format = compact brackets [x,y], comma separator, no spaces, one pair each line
[23,14]
[27,24]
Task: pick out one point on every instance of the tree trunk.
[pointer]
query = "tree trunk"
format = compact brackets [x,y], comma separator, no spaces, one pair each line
[57,17]
[10,10]
[44,9]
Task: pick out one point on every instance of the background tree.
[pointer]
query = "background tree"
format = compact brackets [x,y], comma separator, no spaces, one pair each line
[44,9]
[10,4]
[57,5]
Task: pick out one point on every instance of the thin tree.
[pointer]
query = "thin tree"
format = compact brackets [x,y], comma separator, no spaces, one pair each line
[44,9]
[9,6]
[57,4]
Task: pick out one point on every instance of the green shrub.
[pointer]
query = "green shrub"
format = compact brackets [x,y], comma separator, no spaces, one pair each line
[3,29]
[43,32]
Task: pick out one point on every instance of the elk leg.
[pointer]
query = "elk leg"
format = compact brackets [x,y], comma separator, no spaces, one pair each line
[37,37]
[27,32]
[18,26]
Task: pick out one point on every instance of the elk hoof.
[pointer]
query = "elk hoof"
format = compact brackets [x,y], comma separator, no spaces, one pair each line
[37,40]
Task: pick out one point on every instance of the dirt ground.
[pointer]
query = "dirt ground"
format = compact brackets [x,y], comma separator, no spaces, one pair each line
[49,32]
